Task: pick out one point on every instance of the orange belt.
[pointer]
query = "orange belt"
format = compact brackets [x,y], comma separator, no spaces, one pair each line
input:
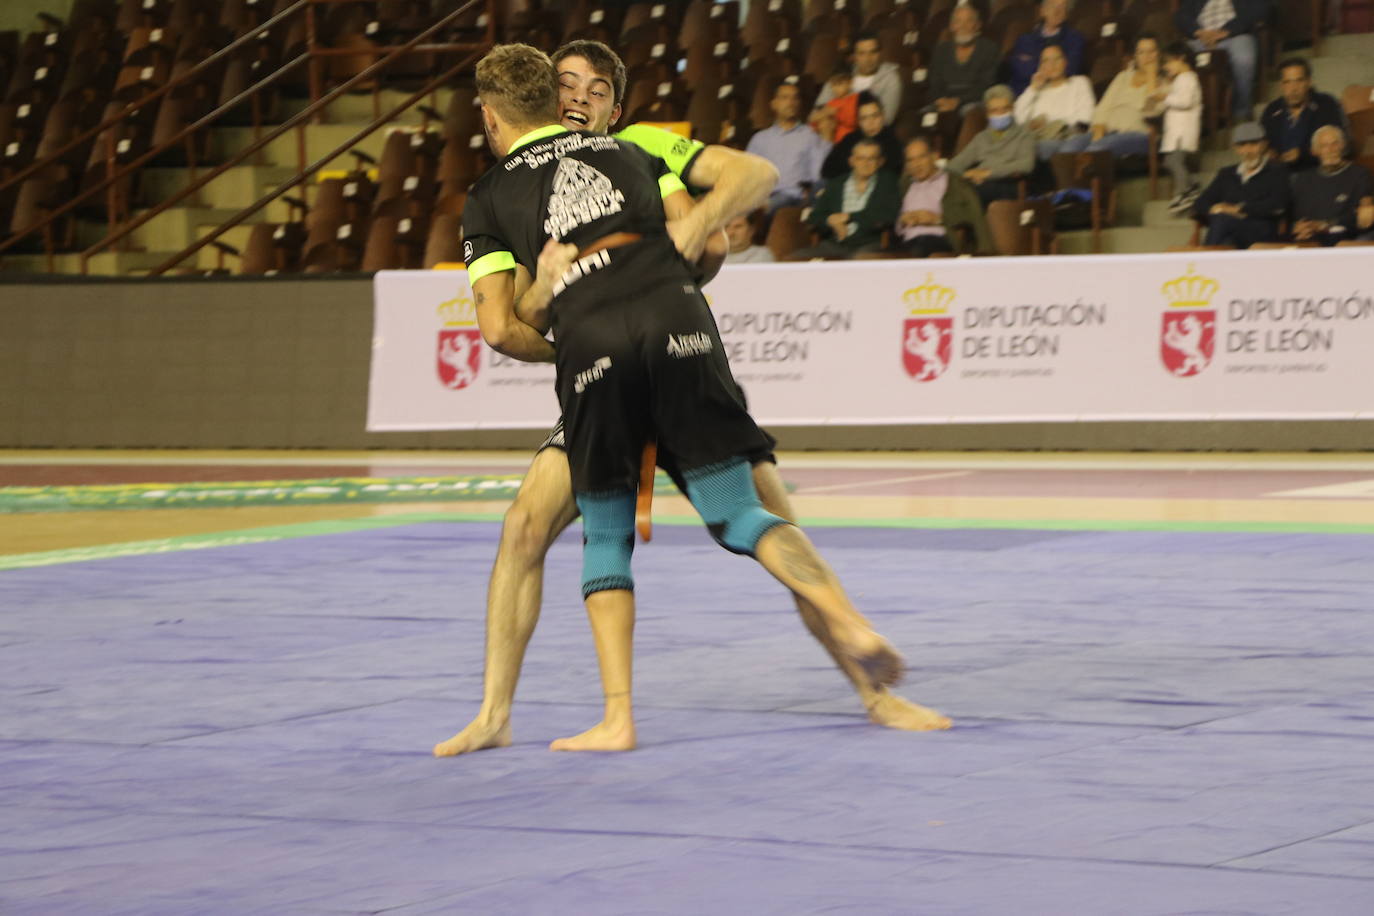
[614,240]
[644,503]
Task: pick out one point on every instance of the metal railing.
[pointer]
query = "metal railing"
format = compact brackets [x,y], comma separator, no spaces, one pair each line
[313,57]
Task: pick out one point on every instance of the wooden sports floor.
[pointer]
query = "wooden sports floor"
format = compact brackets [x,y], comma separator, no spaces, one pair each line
[1271,492]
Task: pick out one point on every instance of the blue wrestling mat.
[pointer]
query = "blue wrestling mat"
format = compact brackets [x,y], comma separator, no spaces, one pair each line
[1145,723]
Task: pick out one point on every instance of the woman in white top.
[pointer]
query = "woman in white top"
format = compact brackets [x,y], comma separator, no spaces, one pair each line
[1182,122]
[1055,106]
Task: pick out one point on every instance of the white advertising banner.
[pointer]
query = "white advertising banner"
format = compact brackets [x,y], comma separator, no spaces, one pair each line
[1187,336]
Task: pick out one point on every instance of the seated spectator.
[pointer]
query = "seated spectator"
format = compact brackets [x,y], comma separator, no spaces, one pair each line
[935,204]
[1334,201]
[872,74]
[839,117]
[854,210]
[794,148]
[1055,106]
[1182,123]
[963,67]
[871,127]
[1245,202]
[740,234]
[1118,122]
[1025,54]
[1291,120]
[1230,26]
[998,155]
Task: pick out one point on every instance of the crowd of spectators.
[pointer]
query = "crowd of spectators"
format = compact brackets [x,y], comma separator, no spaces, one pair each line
[867,192]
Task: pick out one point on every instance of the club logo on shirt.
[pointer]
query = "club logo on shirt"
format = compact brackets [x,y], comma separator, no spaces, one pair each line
[681,346]
[928,331]
[580,195]
[459,354]
[1188,338]
[594,374]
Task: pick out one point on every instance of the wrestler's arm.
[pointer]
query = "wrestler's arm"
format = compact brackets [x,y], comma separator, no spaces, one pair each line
[501,328]
[739,182]
[677,206]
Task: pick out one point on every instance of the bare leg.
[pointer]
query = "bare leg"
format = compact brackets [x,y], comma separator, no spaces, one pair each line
[787,553]
[884,708]
[612,615]
[542,509]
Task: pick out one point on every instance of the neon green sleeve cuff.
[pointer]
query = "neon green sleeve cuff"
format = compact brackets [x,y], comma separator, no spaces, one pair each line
[488,264]
[670,184]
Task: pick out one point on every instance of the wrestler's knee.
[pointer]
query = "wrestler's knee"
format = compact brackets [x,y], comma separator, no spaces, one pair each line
[728,503]
[529,528]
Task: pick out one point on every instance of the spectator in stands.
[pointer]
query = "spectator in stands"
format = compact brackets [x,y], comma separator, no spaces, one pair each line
[740,234]
[793,147]
[1228,25]
[964,66]
[1291,120]
[1182,123]
[853,211]
[1000,154]
[872,74]
[935,205]
[1334,201]
[1118,122]
[1025,54]
[839,117]
[1055,106]
[1246,201]
[871,127]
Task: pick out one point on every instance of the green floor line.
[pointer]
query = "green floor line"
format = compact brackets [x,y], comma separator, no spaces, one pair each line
[322,491]
[312,529]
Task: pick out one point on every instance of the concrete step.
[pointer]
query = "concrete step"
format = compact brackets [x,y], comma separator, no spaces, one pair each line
[235,189]
[1125,240]
[1159,216]
[1358,44]
[358,107]
[106,264]
[320,139]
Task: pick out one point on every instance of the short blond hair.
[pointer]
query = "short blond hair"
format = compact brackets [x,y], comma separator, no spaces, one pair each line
[519,82]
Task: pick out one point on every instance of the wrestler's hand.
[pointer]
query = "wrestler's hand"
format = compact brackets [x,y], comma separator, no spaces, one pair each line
[717,247]
[555,260]
[688,235]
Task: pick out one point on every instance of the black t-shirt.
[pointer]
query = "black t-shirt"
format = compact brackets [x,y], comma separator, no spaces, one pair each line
[575,186]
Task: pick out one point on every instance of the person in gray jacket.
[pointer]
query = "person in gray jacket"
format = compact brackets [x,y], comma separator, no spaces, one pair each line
[872,74]
[1000,154]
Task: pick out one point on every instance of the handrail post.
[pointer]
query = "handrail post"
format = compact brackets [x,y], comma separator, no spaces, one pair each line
[312,40]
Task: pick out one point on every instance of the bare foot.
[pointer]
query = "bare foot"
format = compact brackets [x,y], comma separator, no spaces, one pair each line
[600,737]
[892,711]
[477,736]
[882,664]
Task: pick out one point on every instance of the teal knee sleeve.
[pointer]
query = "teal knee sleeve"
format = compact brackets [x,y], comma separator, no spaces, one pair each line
[608,532]
[724,496]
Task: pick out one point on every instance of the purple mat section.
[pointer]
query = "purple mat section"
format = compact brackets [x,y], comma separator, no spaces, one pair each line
[1145,723]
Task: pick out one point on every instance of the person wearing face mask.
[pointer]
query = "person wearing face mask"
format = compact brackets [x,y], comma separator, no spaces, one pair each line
[997,156]
[1025,54]
[871,74]
[1334,201]
[871,127]
[963,67]
[1244,203]
[1118,122]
